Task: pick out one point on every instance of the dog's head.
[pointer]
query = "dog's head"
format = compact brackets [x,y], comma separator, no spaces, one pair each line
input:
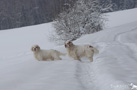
[68,44]
[35,48]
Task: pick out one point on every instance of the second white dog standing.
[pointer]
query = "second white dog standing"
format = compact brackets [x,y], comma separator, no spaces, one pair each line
[76,51]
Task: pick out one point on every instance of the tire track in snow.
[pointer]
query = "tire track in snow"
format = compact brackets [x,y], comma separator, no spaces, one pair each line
[118,39]
[86,75]
[103,46]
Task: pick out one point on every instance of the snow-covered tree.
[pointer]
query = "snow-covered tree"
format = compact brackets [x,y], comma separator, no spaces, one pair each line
[129,4]
[83,18]
[106,5]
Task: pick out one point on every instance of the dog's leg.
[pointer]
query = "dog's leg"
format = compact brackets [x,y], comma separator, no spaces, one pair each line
[77,58]
[91,59]
[52,58]
[57,58]
[39,58]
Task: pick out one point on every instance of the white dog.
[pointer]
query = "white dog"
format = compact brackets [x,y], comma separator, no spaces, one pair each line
[77,52]
[42,55]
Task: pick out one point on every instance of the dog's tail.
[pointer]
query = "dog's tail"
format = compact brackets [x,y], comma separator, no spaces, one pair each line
[96,51]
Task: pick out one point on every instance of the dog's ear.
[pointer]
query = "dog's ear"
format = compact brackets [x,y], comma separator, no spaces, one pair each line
[65,46]
[70,43]
[38,47]
[32,48]
[90,46]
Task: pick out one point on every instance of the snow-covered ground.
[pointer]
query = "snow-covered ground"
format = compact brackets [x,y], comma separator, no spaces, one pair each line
[114,68]
[119,18]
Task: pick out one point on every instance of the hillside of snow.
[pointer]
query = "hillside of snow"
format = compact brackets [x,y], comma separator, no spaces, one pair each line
[114,68]
[121,17]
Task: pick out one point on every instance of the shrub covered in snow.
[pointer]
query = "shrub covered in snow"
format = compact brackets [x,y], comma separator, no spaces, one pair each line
[83,18]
